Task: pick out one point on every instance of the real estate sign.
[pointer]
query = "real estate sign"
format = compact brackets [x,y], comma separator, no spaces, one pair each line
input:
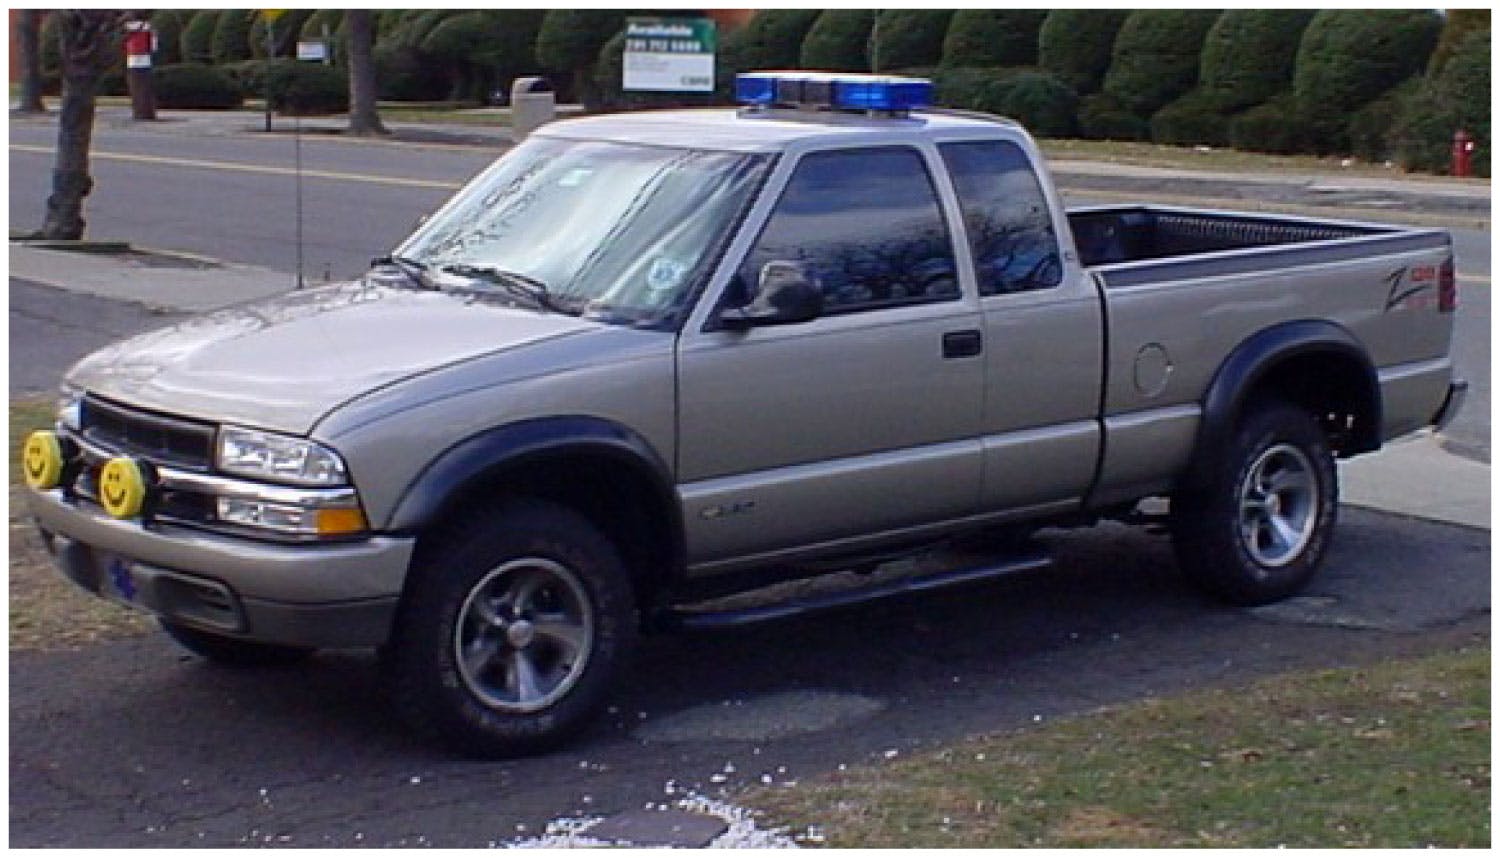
[669,54]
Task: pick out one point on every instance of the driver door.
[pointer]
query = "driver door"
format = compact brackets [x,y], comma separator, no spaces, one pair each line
[862,422]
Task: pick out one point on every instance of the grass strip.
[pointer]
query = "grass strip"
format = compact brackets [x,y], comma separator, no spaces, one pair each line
[47,611]
[1393,755]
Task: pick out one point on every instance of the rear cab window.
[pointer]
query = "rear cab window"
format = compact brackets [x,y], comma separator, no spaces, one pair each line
[1011,234]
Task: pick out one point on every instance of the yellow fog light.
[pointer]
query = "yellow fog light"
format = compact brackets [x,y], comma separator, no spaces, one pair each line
[42,460]
[122,488]
[335,522]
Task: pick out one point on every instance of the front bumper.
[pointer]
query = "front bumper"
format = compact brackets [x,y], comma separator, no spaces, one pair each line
[321,595]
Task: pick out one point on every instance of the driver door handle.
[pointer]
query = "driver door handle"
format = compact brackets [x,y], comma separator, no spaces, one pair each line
[962,344]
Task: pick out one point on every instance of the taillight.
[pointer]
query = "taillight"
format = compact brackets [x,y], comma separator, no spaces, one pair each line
[1447,287]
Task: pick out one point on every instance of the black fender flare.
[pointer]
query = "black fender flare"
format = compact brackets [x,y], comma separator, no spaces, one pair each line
[1262,352]
[468,463]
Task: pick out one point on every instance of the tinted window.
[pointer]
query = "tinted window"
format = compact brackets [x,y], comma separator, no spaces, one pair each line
[866,225]
[1010,229]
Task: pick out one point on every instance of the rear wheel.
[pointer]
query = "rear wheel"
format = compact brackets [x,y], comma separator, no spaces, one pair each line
[225,650]
[515,626]
[1259,526]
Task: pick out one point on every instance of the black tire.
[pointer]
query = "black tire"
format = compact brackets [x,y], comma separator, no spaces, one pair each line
[1259,525]
[542,607]
[234,652]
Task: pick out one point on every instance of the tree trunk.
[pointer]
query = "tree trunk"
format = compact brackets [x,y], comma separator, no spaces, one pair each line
[87,39]
[30,46]
[363,117]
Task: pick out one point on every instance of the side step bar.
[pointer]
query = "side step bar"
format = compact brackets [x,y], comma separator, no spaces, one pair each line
[679,619]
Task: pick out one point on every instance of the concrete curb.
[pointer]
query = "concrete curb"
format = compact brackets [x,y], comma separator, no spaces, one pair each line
[199,285]
[1417,478]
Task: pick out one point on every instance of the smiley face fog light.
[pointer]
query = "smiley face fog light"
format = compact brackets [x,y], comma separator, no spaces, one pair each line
[42,460]
[122,488]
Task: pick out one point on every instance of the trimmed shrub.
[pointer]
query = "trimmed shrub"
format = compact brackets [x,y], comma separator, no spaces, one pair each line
[1076,45]
[454,44]
[401,74]
[299,88]
[1101,116]
[1277,127]
[1457,25]
[166,24]
[1457,98]
[1156,57]
[231,38]
[965,88]
[195,86]
[312,27]
[770,40]
[909,37]
[197,45]
[570,40]
[839,41]
[982,38]
[1349,57]
[1036,98]
[1198,118]
[1249,54]
[1370,137]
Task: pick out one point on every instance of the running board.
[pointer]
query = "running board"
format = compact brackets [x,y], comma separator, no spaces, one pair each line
[677,619]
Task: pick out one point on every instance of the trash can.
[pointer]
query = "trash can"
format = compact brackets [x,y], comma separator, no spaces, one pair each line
[532,105]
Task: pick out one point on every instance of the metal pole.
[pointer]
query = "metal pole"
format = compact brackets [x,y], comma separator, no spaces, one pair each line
[297,145]
[271,54]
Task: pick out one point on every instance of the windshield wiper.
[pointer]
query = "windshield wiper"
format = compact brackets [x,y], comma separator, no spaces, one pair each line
[513,282]
[415,271]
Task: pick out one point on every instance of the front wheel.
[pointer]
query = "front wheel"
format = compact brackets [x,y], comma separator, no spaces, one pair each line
[516,624]
[1259,526]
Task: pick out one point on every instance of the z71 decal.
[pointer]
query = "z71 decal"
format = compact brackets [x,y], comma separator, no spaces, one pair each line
[1412,288]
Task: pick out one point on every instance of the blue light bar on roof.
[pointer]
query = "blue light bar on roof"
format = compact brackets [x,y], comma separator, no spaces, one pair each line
[832,91]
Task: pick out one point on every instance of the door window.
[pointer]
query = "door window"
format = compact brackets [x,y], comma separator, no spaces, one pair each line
[864,224]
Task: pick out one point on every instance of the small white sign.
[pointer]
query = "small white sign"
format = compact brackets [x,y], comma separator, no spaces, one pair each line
[138,61]
[315,52]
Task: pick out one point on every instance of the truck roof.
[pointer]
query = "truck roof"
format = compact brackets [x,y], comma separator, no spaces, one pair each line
[763,130]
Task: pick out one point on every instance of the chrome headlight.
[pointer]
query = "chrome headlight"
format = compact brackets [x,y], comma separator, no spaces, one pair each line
[278,458]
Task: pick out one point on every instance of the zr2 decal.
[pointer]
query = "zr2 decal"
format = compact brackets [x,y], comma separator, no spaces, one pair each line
[1411,289]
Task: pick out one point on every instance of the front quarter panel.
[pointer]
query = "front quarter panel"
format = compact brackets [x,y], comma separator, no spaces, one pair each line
[389,437]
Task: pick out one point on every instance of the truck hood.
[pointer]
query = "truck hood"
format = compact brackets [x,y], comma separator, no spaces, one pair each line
[283,363]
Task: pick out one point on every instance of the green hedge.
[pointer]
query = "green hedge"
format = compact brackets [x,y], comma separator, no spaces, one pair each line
[1349,57]
[1370,137]
[1198,118]
[194,86]
[1101,116]
[1277,127]
[839,41]
[1076,45]
[166,24]
[1156,57]
[402,74]
[983,38]
[1456,98]
[909,37]
[1457,25]
[1036,98]
[295,87]
[770,40]
[198,36]
[1249,54]
[231,38]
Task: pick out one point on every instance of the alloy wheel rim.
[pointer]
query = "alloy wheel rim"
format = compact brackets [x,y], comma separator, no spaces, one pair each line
[524,635]
[1278,500]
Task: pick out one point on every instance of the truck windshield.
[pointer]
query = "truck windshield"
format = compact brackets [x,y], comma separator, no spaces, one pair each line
[613,231]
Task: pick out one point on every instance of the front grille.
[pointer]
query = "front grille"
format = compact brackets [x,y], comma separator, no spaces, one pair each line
[153,437]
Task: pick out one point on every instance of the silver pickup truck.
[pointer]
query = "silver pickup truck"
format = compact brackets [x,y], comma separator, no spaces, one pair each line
[649,358]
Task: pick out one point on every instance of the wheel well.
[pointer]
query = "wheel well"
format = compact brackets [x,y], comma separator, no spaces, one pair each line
[616,498]
[1332,386]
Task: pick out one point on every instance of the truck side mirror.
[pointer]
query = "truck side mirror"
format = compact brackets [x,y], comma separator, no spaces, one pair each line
[787,294]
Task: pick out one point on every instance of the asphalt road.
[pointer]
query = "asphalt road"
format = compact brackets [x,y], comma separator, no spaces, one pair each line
[135,744]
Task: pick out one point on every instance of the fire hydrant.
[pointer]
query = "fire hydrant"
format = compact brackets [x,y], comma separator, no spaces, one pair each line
[1463,154]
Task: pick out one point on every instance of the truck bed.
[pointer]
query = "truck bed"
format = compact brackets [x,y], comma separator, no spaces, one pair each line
[1121,234]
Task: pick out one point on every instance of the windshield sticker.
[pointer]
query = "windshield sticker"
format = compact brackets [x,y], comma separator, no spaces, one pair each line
[575,177]
[666,274]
